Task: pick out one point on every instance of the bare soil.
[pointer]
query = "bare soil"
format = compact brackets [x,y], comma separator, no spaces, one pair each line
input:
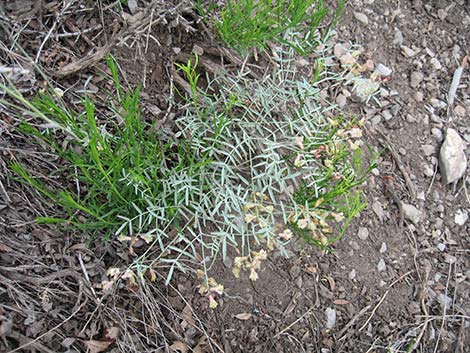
[393,287]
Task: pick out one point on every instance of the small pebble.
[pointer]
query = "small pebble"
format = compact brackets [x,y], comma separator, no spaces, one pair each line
[363,233]
[419,96]
[408,52]
[301,62]
[428,171]
[330,318]
[381,265]
[459,110]
[341,100]
[428,150]
[395,109]
[416,78]
[361,17]
[461,217]
[441,246]
[383,248]
[352,274]
[354,245]
[383,70]
[376,120]
[437,134]
[437,65]
[398,38]
[198,50]
[411,213]
[387,114]
[437,103]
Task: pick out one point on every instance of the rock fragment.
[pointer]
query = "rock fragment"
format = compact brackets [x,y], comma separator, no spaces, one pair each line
[383,248]
[330,318]
[352,274]
[452,159]
[408,52]
[381,265]
[411,213]
[428,150]
[416,78]
[361,17]
[437,65]
[461,217]
[363,233]
[383,70]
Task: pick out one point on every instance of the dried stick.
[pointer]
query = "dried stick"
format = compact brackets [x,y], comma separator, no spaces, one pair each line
[400,165]
[296,321]
[85,62]
[32,342]
[444,312]
[48,35]
[351,322]
[455,84]
[373,311]
[425,310]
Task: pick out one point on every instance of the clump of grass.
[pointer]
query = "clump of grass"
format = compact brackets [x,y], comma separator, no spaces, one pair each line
[123,166]
[245,163]
[245,24]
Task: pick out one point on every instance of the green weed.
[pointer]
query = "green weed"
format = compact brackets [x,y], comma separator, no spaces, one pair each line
[241,160]
[123,165]
[245,24]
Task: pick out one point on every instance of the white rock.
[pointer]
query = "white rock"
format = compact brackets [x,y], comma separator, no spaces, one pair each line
[330,318]
[428,149]
[341,100]
[361,18]
[437,65]
[408,52]
[437,133]
[461,217]
[383,70]
[452,159]
[444,301]
[437,103]
[363,233]
[441,246]
[378,210]
[383,248]
[398,38]
[428,171]
[411,213]
[352,274]
[132,5]
[381,265]
[416,78]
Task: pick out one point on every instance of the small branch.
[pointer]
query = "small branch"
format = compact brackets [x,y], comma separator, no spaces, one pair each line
[399,162]
[373,311]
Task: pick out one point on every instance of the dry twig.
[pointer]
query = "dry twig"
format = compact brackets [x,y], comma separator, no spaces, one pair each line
[400,164]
